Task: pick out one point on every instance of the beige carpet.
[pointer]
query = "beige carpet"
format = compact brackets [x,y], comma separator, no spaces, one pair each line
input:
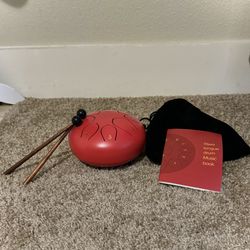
[72,206]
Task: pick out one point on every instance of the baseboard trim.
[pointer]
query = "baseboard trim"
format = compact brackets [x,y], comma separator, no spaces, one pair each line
[127,69]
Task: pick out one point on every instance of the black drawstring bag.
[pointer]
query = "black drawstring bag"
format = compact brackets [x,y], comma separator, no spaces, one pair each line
[179,113]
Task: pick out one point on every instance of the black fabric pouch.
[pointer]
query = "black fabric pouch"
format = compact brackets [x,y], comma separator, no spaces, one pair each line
[179,113]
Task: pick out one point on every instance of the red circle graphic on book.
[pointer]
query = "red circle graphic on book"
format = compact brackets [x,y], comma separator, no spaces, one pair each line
[181,152]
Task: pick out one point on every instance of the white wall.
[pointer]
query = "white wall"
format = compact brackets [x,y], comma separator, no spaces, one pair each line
[90,48]
[59,22]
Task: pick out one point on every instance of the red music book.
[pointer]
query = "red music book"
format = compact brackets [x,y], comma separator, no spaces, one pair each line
[192,158]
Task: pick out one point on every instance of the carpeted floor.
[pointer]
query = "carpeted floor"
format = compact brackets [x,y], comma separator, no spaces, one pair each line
[73,206]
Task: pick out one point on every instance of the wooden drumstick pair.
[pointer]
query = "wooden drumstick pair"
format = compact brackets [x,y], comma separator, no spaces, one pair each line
[76,121]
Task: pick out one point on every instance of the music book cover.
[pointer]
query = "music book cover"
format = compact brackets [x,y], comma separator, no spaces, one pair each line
[192,158]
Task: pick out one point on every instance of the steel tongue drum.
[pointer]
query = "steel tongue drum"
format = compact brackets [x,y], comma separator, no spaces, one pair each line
[107,138]
[102,139]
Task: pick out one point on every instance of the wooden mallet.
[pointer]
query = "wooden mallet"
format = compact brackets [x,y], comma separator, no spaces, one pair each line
[76,121]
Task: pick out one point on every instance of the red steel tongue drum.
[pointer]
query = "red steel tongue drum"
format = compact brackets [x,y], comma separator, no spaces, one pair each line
[106,138]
